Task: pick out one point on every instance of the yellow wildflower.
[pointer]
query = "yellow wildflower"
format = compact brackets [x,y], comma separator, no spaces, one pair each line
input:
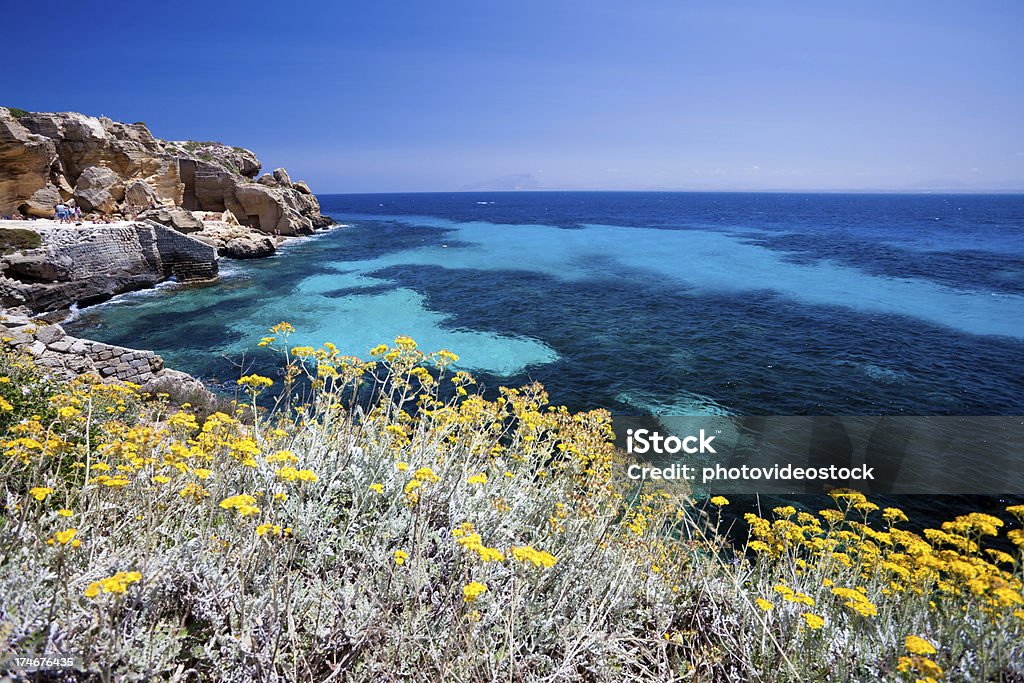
[244,504]
[893,515]
[255,382]
[268,528]
[472,591]
[813,621]
[40,492]
[539,558]
[118,583]
[65,537]
[425,475]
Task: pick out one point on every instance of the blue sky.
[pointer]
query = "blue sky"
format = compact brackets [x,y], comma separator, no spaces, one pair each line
[552,94]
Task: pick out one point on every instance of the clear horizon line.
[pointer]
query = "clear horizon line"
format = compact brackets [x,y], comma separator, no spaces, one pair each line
[939,191]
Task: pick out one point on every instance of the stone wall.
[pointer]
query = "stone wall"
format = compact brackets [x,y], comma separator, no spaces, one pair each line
[187,258]
[65,357]
[90,263]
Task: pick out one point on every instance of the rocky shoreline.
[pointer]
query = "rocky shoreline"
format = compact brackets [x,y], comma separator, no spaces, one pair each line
[147,210]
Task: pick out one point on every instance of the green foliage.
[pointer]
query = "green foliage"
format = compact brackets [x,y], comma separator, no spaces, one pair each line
[193,145]
[18,239]
[18,113]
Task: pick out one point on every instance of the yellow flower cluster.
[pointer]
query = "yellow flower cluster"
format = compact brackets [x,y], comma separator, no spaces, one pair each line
[856,600]
[468,538]
[255,382]
[268,529]
[40,492]
[472,591]
[813,621]
[116,584]
[947,560]
[538,558]
[291,474]
[64,538]
[243,503]
[420,477]
[789,595]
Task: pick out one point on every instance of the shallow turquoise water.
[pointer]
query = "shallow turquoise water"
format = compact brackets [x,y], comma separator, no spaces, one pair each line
[644,303]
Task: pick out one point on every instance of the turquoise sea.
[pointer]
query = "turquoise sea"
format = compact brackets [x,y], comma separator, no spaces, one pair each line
[645,303]
[650,304]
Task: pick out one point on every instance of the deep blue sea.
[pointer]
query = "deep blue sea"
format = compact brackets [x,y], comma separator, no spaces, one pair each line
[645,303]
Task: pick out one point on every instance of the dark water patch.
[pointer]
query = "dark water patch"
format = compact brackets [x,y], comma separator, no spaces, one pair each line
[358,291]
[754,354]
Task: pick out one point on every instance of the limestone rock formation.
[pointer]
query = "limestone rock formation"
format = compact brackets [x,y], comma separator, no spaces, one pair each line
[282,177]
[139,194]
[236,241]
[99,189]
[248,247]
[119,168]
[25,169]
[235,160]
[128,150]
[173,217]
[90,263]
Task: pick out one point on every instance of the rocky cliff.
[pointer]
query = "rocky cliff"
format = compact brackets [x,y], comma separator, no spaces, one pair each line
[113,168]
[159,209]
[66,265]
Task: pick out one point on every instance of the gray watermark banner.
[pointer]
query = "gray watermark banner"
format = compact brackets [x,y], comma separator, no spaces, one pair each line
[790,455]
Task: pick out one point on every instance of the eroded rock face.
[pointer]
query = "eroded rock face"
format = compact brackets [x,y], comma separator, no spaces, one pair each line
[273,207]
[118,168]
[25,169]
[236,241]
[99,189]
[128,150]
[249,247]
[173,217]
[90,263]
[235,160]
[139,194]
